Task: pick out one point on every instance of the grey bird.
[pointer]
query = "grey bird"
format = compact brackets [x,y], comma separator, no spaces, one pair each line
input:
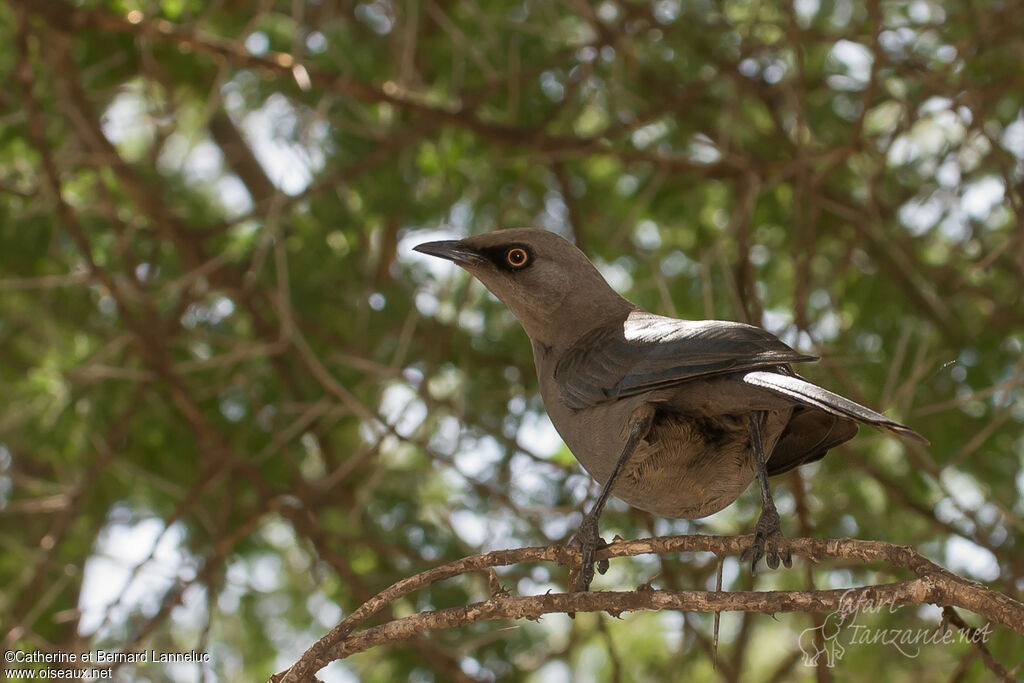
[675,417]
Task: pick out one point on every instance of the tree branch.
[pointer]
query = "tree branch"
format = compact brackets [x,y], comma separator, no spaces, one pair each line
[932,584]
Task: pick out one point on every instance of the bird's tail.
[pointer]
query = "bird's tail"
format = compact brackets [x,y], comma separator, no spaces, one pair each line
[802,391]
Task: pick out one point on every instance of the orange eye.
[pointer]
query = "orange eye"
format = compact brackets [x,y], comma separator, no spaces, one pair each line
[517,257]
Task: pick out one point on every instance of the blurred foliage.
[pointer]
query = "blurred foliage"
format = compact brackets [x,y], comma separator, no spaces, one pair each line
[236,405]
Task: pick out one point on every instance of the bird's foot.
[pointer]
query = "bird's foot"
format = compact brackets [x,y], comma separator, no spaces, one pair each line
[766,533]
[588,542]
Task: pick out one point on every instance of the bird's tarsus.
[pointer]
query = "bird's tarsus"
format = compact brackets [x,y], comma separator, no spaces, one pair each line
[769,527]
[587,539]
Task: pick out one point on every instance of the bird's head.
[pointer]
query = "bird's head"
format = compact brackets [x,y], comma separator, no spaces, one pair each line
[551,287]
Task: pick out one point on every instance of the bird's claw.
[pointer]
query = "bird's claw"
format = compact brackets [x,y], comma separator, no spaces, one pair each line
[588,542]
[766,533]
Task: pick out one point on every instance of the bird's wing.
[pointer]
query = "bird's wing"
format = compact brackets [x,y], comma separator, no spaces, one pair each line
[649,352]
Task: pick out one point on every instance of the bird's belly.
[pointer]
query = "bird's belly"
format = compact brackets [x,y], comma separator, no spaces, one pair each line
[686,479]
[687,467]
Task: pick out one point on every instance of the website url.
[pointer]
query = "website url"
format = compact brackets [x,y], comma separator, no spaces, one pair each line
[56,674]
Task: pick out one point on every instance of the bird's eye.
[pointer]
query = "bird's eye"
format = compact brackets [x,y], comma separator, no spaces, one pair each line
[517,257]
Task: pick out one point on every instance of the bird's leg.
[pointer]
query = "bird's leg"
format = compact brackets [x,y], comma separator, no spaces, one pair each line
[769,527]
[587,538]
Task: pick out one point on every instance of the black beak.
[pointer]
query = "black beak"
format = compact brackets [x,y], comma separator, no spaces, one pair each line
[452,250]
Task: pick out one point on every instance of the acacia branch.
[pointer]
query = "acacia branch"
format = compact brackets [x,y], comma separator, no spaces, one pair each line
[933,584]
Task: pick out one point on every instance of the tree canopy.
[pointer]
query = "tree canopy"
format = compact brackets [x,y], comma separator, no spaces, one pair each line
[235,405]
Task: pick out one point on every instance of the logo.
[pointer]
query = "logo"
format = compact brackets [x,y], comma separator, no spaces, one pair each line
[840,631]
[827,643]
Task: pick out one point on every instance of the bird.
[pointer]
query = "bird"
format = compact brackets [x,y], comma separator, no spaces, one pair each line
[674,417]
